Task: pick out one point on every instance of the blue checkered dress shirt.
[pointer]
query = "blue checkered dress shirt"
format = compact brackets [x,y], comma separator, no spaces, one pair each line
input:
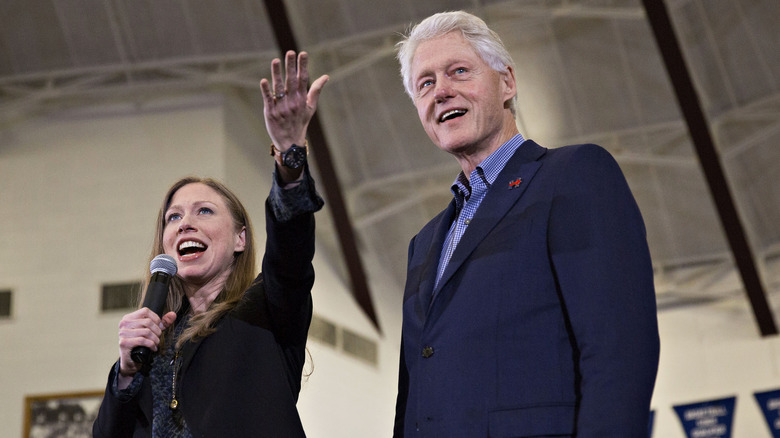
[469,193]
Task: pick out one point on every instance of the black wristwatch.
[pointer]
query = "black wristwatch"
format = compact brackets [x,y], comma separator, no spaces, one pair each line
[294,157]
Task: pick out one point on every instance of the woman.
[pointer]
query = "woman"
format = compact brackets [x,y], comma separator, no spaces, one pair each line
[229,350]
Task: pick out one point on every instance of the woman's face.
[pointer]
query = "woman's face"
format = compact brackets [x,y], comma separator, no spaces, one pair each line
[200,234]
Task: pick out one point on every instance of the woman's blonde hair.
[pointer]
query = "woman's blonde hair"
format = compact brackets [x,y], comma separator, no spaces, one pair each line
[239,280]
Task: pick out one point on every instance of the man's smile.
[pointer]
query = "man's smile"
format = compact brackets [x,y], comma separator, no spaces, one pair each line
[451,114]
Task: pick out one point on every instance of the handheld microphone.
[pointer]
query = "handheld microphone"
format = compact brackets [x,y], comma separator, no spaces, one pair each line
[163,268]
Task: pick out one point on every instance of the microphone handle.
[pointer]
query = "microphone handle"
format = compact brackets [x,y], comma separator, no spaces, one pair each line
[156,295]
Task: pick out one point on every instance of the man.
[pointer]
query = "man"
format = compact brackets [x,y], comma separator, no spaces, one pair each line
[529,307]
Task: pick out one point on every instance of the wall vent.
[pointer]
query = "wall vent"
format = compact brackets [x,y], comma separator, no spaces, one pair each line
[5,303]
[344,340]
[359,346]
[119,296]
[323,331]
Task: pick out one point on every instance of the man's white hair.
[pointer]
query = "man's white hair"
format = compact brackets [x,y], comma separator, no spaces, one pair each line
[485,42]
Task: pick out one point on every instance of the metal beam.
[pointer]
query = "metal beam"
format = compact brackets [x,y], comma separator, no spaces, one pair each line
[280,22]
[699,130]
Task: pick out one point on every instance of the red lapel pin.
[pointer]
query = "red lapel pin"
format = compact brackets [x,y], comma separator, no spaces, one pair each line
[515,183]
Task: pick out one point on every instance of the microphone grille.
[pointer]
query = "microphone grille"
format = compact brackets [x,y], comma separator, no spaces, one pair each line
[163,263]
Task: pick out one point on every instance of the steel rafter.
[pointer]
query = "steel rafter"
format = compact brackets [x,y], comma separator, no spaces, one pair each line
[280,22]
[699,130]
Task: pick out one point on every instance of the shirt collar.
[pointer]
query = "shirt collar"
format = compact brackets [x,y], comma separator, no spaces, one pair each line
[487,170]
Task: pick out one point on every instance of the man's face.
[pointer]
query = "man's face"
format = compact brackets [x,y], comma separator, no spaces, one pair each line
[459,97]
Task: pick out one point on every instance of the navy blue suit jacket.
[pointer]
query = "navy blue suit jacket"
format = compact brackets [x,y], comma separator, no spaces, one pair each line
[544,322]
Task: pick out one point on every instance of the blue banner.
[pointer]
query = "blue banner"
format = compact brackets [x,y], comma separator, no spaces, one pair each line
[770,406]
[709,419]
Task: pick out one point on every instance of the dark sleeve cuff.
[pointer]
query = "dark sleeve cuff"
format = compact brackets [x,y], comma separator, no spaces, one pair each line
[128,393]
[287,203]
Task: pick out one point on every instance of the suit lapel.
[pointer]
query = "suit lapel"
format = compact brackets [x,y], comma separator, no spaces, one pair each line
[428,274]
[502,195]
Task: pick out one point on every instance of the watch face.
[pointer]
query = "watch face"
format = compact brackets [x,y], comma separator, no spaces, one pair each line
[294,157]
